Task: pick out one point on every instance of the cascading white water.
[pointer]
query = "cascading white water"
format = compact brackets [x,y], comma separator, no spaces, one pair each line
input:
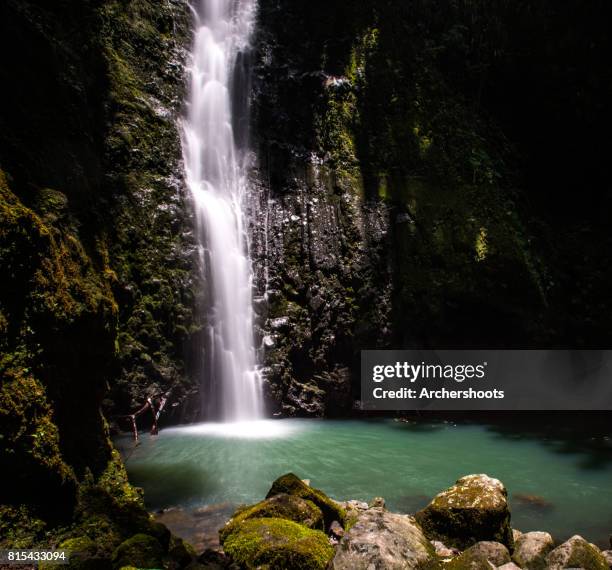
[216,176]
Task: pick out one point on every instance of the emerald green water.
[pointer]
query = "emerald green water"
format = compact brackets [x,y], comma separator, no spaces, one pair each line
[561,484]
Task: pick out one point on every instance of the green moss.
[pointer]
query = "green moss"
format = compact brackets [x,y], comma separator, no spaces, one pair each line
[141,550]
[20,528]
[82,555]
[474,509]
[289,507]
[587,557]
[278,544]
[576,553]
[291,484]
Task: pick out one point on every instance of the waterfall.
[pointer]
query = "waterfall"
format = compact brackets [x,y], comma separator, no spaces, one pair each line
[216,161]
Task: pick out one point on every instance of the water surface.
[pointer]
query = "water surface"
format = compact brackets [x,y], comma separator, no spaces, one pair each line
[555,484]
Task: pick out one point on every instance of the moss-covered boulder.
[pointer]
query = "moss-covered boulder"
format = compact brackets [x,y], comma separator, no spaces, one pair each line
[291,484]
[82,554]
[474,509]
[278,544]
[282,506]
[482,556]
[141,550]
[379,539]
[576,553]
[531,549]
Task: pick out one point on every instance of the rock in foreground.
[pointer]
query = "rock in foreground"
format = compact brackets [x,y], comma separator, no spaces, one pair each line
[474,509]
[379,539]
[291,484]
[278,544]
[576,553]
[531,549]
[282,506]
[482,556]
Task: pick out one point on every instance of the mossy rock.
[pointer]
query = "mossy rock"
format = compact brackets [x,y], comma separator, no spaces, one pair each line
[79,544]
[283,506]
[475,509]
[576,553]
[278,544]
[291,484]
[82,555]
[180,551]
[141,550]
[481,556]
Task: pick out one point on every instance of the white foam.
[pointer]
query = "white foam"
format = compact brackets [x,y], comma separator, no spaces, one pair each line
[262,429]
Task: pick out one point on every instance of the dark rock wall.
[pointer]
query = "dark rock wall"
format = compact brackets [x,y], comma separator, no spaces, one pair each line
[96,254]
[398,205]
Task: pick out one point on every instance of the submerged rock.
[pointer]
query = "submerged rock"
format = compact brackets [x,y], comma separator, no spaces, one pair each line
[531,549]
[378,502]
[533,501]
[278,544]
[379,539]
[474,509]
[483,555]
[291,484]
[282,506]
[576,553]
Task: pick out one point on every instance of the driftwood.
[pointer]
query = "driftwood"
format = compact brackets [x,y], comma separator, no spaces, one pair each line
[155,412]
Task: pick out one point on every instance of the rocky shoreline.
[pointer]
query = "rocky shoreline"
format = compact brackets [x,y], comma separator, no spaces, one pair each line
[467,526]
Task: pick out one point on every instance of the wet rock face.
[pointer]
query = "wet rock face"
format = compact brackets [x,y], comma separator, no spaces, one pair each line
[144,45]
[531,549]
[371,225]
[474,509]
[379,539]
[314,273]
[576,553]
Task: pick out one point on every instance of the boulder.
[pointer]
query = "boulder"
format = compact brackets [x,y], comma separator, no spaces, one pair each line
[509,566]
[277,544]
[531,549]
[282,506]
[336,531]
[607,554]
[291,484]
[576,553]
[444,551]
[474,509]
[83,555]
[210,560]
[481,556]
[378,502]
[379,539]
[141,551]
